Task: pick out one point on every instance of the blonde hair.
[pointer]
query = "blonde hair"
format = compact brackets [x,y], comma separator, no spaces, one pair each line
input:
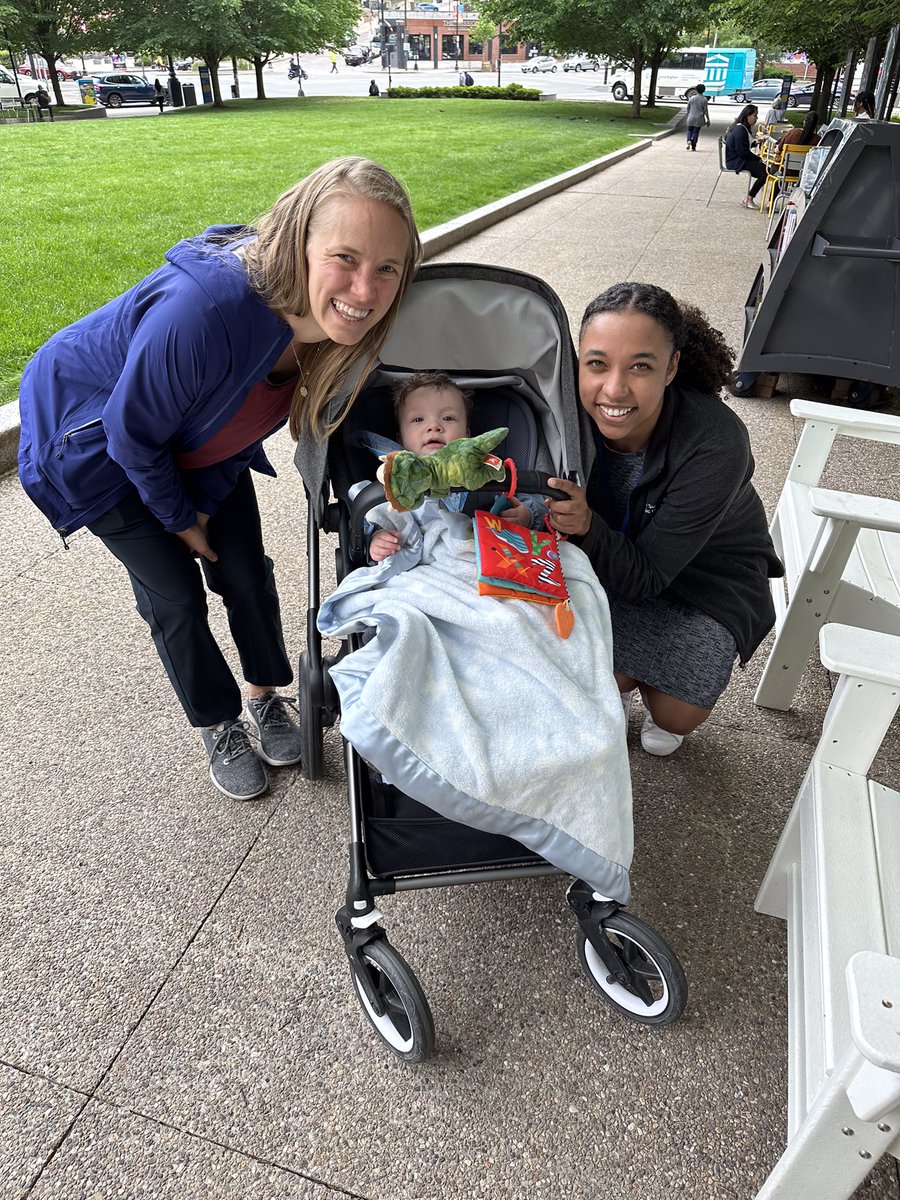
[276,261]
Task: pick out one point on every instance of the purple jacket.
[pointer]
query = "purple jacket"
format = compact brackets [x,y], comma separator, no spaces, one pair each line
[108,401]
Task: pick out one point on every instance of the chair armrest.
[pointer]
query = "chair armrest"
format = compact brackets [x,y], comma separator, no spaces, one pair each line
[861,653]
[869,512]
[852,418]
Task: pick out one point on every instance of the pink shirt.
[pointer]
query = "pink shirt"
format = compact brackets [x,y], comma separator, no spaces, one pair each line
[265,407]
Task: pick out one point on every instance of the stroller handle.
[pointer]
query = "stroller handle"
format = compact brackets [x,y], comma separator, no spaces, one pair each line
[532,482]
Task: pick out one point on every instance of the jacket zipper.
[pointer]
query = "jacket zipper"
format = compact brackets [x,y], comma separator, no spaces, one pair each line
[78,429]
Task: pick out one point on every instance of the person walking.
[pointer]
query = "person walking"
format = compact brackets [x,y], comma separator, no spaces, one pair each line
[334,66]
[697,115]
[142,422]
[159,95]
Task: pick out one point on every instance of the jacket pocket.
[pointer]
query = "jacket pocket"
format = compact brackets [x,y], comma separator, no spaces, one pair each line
[78,465]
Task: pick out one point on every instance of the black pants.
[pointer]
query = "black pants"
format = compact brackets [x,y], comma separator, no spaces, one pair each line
[168,588]
[757,168]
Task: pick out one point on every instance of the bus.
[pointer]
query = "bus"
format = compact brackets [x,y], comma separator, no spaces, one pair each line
[723,69]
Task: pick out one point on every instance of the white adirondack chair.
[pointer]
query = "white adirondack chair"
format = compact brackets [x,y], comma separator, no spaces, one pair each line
[835,879]
[841,551]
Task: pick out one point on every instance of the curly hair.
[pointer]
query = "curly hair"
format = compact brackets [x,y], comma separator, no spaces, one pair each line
[438,380]
[706,361]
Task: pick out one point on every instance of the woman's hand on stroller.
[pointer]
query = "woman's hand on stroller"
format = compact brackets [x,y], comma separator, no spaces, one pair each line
[384,543]
[571,517]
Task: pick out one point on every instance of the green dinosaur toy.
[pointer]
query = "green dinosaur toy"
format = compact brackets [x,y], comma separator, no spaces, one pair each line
[466,463]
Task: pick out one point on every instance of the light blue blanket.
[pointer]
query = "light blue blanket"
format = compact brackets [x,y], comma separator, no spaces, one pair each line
[476,707]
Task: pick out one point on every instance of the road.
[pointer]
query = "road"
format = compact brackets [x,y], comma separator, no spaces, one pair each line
[354,81]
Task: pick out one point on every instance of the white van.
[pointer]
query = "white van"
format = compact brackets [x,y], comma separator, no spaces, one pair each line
[9,91]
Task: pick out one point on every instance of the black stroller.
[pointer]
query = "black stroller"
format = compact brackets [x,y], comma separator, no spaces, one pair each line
[504,335]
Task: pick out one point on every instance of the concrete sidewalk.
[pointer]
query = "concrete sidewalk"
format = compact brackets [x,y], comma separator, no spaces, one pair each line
[176,1016]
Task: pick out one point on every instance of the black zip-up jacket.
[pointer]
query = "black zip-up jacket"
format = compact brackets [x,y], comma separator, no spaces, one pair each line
[696,529]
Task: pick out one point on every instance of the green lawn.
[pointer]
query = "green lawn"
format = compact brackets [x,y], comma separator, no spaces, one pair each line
[91,206]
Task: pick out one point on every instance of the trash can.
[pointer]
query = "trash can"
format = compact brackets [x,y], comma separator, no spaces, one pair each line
[235,93]
[189,94]
[175,92]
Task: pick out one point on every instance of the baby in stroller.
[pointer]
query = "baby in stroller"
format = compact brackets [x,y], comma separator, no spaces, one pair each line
[432,411]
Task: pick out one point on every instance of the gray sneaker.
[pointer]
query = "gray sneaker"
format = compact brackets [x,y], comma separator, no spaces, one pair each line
[279,737]
[234,766]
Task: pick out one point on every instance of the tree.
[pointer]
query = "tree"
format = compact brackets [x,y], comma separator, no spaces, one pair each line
[270,27]
[635,33]
[827,31]
[53,28]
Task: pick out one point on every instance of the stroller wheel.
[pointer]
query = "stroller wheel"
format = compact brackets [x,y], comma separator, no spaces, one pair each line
[406,1026]
[312,759]
[652,962]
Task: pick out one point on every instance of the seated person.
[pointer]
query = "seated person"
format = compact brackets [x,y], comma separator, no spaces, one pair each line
[864,106]
[805,136]
[775,115]
[432,411]
[739,154]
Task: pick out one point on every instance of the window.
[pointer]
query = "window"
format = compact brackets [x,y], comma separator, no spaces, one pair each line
[507,45]
[476,49]
[420,47]
[451,46]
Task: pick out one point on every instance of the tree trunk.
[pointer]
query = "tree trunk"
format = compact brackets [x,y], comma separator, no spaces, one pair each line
[54,81]
[827,74]
[260,86]
[213,63]
[638,83]
[655,60]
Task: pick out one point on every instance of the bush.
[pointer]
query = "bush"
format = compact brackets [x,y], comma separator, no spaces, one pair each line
[512,91]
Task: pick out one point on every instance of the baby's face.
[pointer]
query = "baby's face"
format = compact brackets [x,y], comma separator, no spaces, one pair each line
[431,418]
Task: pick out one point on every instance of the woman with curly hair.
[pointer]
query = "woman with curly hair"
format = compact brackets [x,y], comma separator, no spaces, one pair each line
[669,519]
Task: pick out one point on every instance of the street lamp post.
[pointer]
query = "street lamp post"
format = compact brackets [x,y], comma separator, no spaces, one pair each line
[456,39]
[499,50]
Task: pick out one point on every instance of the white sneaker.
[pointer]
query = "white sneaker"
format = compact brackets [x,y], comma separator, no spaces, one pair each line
[659,741]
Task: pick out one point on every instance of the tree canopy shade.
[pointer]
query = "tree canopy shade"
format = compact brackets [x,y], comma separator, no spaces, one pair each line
[639,32]
[52,28]
[827,31]
[216,29]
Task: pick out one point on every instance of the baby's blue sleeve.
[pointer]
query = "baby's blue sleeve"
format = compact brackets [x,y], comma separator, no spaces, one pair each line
[537,508]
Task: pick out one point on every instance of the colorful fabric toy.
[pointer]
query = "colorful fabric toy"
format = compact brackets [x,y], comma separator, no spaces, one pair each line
[521,564]
[466,463]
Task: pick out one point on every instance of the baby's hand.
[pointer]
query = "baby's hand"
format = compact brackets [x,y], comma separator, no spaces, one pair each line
[384,543]
[517,513]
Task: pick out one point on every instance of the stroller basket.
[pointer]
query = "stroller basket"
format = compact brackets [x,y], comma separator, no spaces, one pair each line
[404,837]
[504,336]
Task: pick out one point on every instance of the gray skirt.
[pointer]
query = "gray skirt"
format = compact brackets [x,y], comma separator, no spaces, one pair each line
[672,647]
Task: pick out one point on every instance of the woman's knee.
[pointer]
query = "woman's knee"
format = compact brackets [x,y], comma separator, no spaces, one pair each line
[672,714]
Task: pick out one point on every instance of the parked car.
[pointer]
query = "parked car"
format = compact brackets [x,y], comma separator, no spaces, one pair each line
[184,64]
[9,90]
[764,91]
[355,56]
[541,62]
[119,89]
[580,62]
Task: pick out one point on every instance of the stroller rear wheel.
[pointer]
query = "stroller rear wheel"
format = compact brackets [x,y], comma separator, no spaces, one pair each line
[312,759]
[658,973]
[406,1025]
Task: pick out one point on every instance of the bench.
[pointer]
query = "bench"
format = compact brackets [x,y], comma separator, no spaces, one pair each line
[835,879]
[841,552]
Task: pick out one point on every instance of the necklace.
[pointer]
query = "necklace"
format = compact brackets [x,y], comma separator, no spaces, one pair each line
[303,389]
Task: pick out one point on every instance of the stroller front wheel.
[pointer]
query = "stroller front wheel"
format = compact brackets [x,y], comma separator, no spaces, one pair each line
[406,1025]
[649,959]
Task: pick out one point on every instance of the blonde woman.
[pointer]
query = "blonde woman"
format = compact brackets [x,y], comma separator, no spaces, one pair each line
[143,420]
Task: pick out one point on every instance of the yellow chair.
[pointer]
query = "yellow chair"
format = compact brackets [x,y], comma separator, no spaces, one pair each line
[782,175]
